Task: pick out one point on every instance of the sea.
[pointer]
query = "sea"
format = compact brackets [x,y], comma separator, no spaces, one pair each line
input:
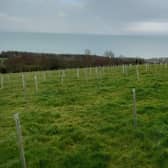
[144,46]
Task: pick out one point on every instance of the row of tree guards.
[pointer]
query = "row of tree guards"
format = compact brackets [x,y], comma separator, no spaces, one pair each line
[16,116]
[63,75]
[20,137]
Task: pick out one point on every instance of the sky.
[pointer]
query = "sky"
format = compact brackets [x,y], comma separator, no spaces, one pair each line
[116,17]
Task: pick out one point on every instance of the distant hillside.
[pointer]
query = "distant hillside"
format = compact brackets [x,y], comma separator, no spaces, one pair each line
[27,61]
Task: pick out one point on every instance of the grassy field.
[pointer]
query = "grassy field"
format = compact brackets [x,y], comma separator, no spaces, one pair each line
[86,122]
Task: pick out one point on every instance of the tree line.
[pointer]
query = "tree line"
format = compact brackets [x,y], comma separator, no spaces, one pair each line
[14,61]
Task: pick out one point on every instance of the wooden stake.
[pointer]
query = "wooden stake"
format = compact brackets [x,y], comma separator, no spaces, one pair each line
[20,140]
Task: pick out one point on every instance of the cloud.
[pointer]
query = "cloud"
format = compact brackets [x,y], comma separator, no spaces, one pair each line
[85,16]
[7,18]
[148,27]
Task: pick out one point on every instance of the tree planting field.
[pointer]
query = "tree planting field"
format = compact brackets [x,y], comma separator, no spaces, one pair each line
[84,119]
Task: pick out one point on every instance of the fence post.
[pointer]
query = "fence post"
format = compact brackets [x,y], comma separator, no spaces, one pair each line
[86,73]
[23,82]
[123,69]
[62,77]
[24,86]
[137,72]
[36,82]
[134,107]
[44,75]
[97,72]
[147,67]
[103,70]
[126,69]
[77,73]
[20,140]
[90,71]
[2,82]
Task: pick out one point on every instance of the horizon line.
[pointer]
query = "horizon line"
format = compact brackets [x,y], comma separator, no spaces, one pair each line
[84,33]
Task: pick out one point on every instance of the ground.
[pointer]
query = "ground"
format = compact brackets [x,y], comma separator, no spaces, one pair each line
[86,121]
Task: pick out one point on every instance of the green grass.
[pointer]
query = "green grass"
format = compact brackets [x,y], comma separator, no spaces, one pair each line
[86,122]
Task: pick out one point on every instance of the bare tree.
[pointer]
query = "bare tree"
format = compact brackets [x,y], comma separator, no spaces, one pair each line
[109,53]
[87,52]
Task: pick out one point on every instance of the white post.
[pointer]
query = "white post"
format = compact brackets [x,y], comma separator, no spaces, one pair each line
[134,107]
[160,65]
[123,69]
[44,75]
[20,140]
[130,66]
[24,86]
[2,82]
[23,82]
[62,77]
[86,74]
[126,69]
[77,73]
[103,70]
[8,77]
[36,83]
[90,71]
[146,65]
[100,72]
[137,72]
[96,70]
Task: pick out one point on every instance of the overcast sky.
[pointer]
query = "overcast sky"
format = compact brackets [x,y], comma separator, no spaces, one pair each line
[85,16]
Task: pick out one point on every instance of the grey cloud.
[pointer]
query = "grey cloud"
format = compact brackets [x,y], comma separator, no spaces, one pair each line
[84,16]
